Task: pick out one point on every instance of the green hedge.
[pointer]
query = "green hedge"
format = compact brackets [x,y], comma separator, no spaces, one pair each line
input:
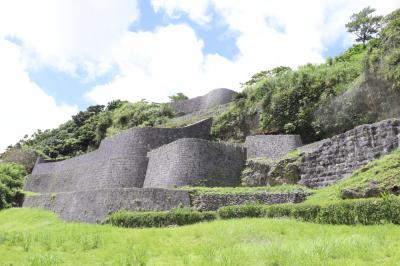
[365,211]
[179,216]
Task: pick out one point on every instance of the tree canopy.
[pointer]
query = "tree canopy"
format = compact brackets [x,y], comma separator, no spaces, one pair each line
[364,25]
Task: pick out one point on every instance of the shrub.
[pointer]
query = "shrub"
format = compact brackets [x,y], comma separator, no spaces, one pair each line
[11,181]
[361,212]
[179,216]
[240,211]
[365,211]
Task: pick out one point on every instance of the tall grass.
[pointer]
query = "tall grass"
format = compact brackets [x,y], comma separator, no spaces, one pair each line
[35,237]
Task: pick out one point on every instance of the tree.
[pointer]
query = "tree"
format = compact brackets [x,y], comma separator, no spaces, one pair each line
[364,25]
[178,97]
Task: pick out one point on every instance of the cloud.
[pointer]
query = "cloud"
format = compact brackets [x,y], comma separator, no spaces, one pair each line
[154,65]
[69,35]
[24,107]
[197,10]
[269,34]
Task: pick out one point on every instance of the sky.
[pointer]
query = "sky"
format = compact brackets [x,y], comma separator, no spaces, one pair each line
[60,56]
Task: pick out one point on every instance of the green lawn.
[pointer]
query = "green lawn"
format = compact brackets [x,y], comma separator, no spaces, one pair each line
[35,237]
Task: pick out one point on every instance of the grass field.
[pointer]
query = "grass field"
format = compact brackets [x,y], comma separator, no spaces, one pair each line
[35,237]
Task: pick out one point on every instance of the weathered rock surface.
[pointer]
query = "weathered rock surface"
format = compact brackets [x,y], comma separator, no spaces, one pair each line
[271,173]
[340,155]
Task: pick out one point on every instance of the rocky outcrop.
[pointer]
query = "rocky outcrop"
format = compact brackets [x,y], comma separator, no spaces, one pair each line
[260,172]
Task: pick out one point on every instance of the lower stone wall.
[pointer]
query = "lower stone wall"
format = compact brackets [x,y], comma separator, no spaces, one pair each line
[93,206]
[211,202]
[340,155]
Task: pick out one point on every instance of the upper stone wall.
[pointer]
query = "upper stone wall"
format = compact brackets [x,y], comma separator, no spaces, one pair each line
[119,162]
[274,147]
[340,155]
[195,162]
[212,99]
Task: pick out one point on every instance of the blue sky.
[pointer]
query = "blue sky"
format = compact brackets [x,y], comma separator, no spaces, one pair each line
[60,56]
[67,88]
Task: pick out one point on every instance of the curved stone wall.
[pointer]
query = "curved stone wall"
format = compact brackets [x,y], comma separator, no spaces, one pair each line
[119,162]
[274,147]
[212,99]
[195,162]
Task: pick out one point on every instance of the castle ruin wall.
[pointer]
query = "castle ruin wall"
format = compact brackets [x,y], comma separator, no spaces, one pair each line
[212,99]
[340,155]
[273,147]
[195,162]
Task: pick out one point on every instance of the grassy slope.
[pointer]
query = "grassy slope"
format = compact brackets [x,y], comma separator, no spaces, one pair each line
[384,171]
[33,237]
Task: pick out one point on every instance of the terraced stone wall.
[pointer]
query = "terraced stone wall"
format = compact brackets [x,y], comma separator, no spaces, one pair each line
[273,147]
[120,161]
[340,155]
[212,99]
[195,162]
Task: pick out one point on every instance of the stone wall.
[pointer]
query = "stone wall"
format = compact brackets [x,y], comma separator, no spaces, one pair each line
[340,155]
[211,202]
[195,162]
[271,146]
[119,162]
[212,99]
[93,206]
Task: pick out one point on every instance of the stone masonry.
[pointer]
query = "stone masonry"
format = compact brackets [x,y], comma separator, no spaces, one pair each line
[340,155]
[137,169]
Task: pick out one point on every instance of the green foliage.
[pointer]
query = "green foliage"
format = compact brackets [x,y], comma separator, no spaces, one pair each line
[319,101]
[365,211]
[234,124]
[20,155]
[84,132]
[384,53]
[364,25]
[241,211]
[178,97]
[178,216]
[139,114]
[286,100]
[11,181]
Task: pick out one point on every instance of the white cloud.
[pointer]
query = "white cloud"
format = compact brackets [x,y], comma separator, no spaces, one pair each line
[24,107]
[68,34]
[269,34]
[197,9]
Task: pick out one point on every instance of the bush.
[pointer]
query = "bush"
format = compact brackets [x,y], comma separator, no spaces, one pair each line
[11,182]
[365,211]
[240,211]
[179,216]
[361,212]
